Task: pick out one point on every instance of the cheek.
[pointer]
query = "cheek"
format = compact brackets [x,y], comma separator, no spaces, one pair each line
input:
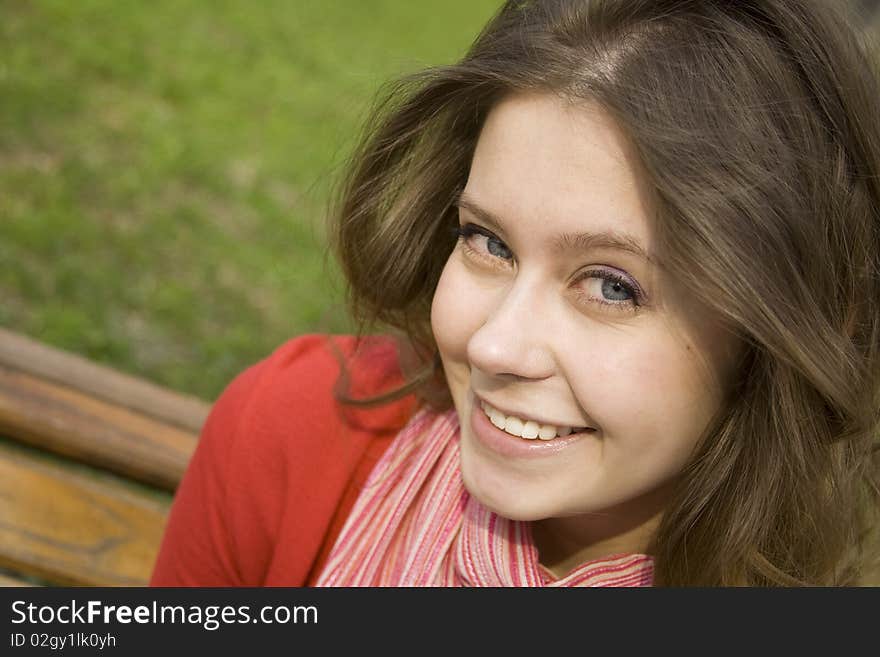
[455,312]
[652,393]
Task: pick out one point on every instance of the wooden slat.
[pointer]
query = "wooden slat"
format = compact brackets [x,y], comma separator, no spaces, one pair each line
[27,355]
[70,530]
[5,581]
[68,422]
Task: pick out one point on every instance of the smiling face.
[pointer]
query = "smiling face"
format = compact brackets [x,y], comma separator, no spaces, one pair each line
[547,311]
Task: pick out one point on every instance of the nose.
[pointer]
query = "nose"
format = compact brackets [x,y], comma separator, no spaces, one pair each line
[516,338]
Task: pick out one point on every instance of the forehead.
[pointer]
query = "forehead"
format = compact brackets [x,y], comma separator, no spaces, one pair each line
[543,163]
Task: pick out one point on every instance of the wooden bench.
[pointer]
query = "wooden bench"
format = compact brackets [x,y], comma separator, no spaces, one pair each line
[89,460]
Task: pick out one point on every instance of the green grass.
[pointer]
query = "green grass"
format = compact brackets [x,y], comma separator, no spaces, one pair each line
[165,168]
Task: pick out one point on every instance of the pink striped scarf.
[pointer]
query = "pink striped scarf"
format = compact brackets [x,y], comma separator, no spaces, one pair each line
[414,524]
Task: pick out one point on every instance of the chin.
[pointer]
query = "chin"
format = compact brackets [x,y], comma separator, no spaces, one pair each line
[512,506]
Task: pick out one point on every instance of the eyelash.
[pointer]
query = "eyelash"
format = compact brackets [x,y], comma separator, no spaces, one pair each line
[464,233]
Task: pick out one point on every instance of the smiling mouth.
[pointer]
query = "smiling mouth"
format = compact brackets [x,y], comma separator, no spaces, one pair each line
[528,429]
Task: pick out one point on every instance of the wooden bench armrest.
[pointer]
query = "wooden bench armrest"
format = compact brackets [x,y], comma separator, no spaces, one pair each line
[62,403]
[89,458]
[71,529]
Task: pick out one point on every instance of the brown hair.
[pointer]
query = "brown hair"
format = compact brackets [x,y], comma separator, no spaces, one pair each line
[756,122]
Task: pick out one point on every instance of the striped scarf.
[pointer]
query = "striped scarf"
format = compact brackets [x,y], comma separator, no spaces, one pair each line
[414,524]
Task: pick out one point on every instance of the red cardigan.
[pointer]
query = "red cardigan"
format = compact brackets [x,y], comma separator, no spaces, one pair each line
[278,466]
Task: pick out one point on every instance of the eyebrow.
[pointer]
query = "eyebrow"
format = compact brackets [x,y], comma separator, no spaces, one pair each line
[565,241]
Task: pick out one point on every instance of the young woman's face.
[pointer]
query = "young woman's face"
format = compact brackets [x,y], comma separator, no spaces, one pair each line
[547,312]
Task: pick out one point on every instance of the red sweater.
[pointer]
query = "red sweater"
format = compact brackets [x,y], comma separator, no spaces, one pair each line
[278,466]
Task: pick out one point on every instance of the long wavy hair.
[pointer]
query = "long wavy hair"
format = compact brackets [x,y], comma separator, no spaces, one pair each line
[757,124]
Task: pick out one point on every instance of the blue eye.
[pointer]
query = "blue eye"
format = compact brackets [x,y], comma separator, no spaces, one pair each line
[496,248]
[483,243]
[615,290]
[615,287]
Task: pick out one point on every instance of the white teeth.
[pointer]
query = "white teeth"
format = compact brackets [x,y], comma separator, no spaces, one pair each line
[497,418]
[513,426]
[528,429]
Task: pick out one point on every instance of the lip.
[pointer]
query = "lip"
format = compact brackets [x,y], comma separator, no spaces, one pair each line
[501,442]
[477,400]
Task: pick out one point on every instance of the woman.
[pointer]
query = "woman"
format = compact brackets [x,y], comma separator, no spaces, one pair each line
[635,246]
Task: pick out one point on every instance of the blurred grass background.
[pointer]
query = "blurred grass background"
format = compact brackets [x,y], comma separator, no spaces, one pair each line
[165,168]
